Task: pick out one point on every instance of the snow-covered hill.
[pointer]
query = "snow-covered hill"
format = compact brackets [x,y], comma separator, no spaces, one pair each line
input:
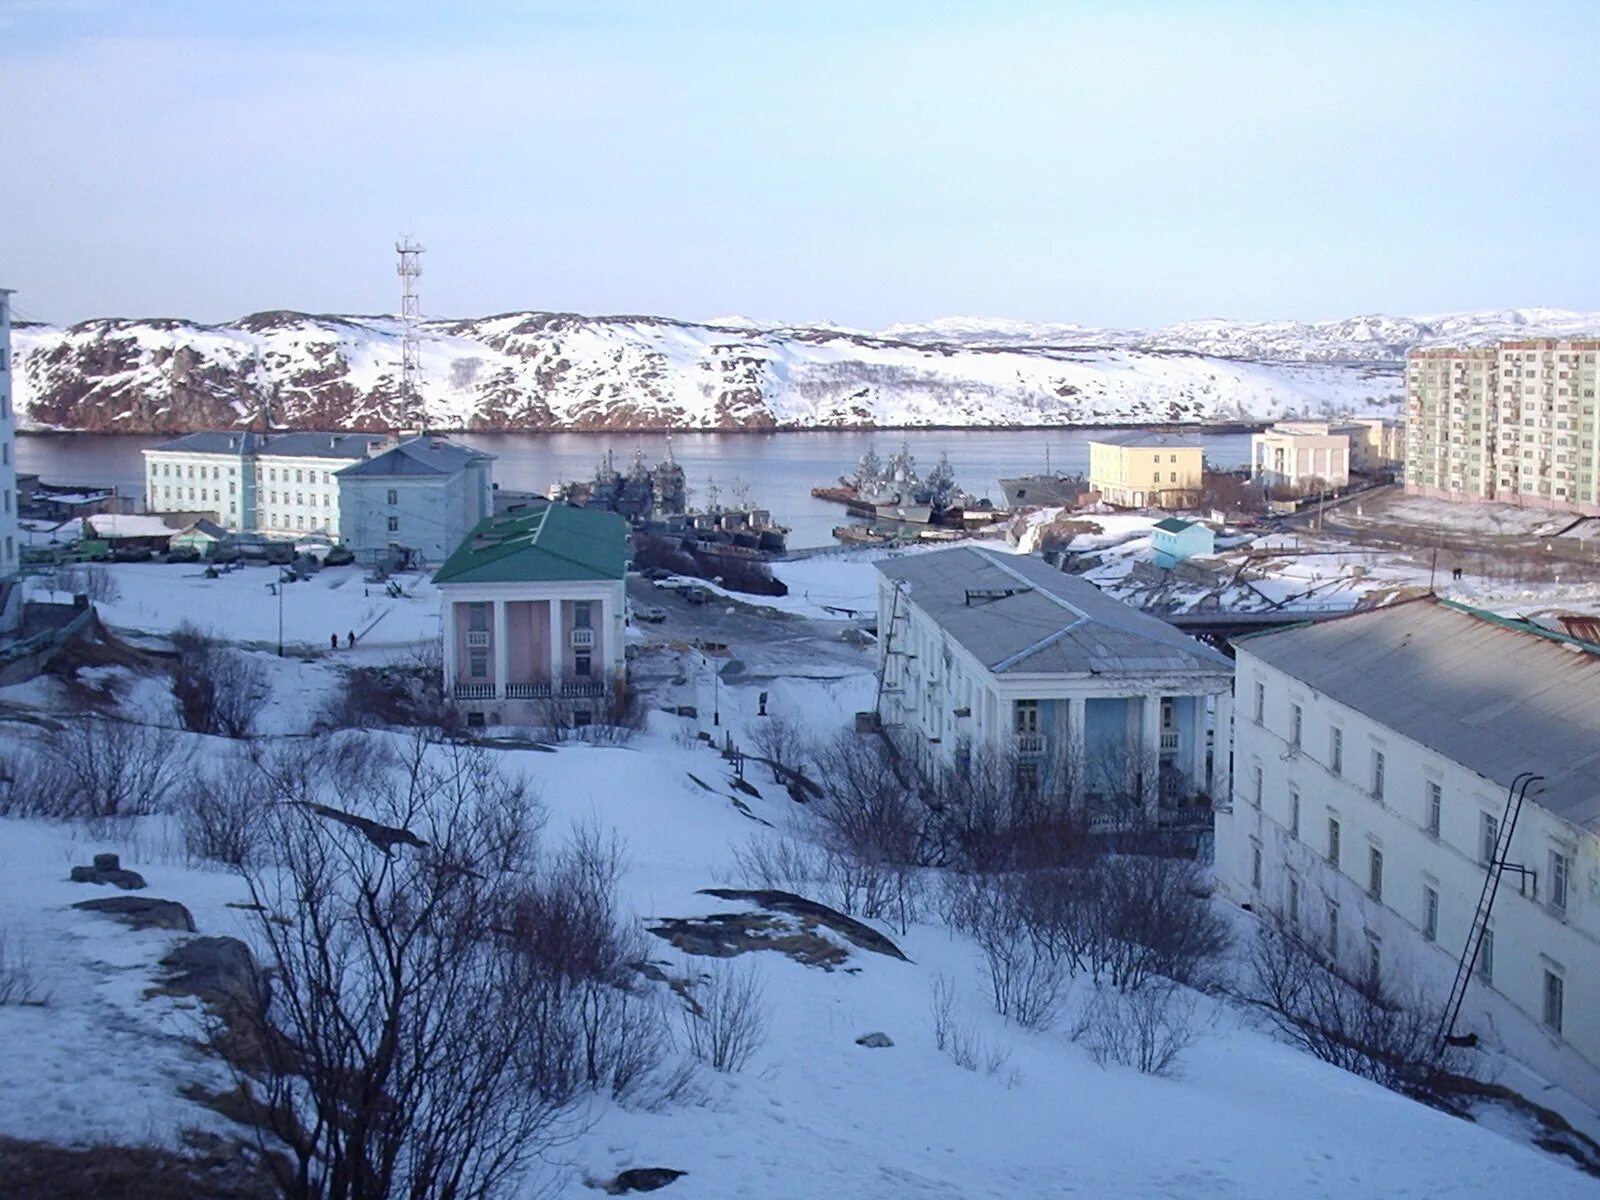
[537,371]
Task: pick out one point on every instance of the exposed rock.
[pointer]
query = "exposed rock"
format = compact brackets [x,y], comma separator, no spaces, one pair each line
[142,912]
[788,925]
[855,931]
[107,868]
[384,837]
[221,971]
[642,1179]
[875,1041]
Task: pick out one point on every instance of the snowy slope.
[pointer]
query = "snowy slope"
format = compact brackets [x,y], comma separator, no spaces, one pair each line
[537,371]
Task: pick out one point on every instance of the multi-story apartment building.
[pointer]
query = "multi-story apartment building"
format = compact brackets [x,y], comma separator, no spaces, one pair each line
[1515,423]
[281,484]
[1302,455]
[417,499]
[1137,468]
[1372,759]
[1089,699]
[1376,444]
[10,545]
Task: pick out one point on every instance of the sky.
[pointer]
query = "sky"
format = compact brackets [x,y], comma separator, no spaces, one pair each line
[866,162]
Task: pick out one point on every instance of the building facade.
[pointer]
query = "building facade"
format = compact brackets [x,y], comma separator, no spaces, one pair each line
[1173,540]
[416,500]
[1136,468]
[1377,444]
[279,484]
[1372,758]
[534,616]
[1090,700]
[1515,423]
[1305,455]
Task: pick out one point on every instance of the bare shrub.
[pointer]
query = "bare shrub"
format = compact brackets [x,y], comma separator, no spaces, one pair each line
[782,741]
[857,886]
[19,983]
[1147,1029]
[1026,980]
[97,583]
[1374,1029]
[1151,916]
[728,1021]
[216,689]
[221,821]
[406,692]
[958,1038]
[94,768]
[612,719]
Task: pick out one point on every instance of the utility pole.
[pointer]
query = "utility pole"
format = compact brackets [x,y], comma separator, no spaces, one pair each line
[409,269]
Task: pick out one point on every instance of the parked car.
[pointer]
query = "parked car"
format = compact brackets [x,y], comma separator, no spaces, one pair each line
[695,594]
[339,556]
[183,554]
[653,613]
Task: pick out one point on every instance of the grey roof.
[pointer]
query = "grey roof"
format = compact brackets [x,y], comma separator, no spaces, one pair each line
[418,457]
[1146,437]
[1497,696]
[1050,623]
[300,444]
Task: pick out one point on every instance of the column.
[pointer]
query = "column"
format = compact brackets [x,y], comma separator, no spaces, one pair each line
[557,650]
[1222,752]
[451,636]
[1150,755]
[1196,766]
[502,649]
[1076,749]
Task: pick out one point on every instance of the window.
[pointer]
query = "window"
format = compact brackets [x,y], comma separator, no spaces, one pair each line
[1375,873]
[1374,958]
[478,617]
[582,718]
[1294,813]
[1256,798]
[478,664]
[1430,914]
[1485,962]
[580,614]
[1377,774]
[1488,837]
[1336,750]
[299,476]
[1294,900]
[394,524]
[582,663]
[1333,929]
[1555,999]
[1028,779]
[1261,703]
[1026,716]
[1297,720]
[1560,871]
[1255,864]
[394,496]
[1435,807]
[1333,840]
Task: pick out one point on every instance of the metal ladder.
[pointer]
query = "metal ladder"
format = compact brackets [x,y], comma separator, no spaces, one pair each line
[1493,872]
[895,616]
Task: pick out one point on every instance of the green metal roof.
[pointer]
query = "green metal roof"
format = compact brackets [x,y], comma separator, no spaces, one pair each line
[1174,524]
[549,543]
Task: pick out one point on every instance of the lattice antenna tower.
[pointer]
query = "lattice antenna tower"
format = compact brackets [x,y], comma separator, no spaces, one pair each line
[409,269]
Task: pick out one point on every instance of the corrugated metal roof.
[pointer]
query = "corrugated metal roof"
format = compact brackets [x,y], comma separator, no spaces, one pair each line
[1019,615]
[1138,438]
[549,543]
[419,457]
[1499,697]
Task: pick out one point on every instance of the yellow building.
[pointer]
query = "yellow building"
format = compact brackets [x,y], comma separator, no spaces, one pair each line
[1136,468]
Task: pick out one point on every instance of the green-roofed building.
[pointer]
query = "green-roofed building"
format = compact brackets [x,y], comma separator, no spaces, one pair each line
[1174,539]
[533,615]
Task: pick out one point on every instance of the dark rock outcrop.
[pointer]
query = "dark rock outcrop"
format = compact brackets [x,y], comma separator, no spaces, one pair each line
[142,912]
[108,868]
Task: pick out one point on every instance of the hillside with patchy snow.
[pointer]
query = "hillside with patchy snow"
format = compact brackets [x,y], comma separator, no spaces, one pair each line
[550,371]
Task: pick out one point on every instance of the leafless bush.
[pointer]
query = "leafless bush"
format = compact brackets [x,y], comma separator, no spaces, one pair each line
[1147,1029]
[857,886]
[441,1000]
[221,819]
[1151,916]
[728,1023]
[405,692]
[1026,980]
[217,690]
[19,984]
[998,813]
[780,739]
[958,1038]
[94,768]
[1379,1031]
[97,583]
[613,719]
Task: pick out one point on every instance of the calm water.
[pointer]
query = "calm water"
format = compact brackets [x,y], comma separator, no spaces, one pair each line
[780,469]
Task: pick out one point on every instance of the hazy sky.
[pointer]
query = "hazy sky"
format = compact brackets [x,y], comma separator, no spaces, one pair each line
[865,161]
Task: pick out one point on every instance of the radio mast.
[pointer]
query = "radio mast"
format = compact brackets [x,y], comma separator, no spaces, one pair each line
[409,268]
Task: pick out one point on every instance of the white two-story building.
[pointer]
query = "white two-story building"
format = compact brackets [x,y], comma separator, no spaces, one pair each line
[1090,698]
[1373,755]
[280,484]
[534,611]
[415,500]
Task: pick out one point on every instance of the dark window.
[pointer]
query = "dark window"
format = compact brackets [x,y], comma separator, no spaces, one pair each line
[582,664]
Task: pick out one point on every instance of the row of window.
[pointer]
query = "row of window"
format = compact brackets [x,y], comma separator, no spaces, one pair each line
[168,470]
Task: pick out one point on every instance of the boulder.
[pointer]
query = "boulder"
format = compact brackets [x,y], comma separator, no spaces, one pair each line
[220,971]
[642,1179]
[142,912]
[107,868]
[875,1041]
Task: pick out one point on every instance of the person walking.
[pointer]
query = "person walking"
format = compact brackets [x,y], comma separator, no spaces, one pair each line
[333,641]
[350,640]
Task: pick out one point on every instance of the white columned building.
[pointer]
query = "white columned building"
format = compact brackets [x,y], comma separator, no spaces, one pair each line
[534,606]
[1088,698]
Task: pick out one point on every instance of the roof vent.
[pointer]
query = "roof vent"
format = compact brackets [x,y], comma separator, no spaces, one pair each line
[985,595]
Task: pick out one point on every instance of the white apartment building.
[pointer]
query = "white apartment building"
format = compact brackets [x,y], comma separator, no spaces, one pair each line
[1086,695]
[281,484]
[10,544]
[1301,454]
[417,499]
[1372,758]
[1515,423]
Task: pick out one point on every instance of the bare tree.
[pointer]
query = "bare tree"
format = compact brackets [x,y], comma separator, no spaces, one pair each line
[217,689]
[1147,1029]
[781,740]
[728,1021]
[94,768]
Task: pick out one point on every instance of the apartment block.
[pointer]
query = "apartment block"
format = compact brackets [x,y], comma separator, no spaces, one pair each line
[1514,423]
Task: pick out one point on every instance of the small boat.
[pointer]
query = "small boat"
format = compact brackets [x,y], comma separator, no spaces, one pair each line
[1043,491]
